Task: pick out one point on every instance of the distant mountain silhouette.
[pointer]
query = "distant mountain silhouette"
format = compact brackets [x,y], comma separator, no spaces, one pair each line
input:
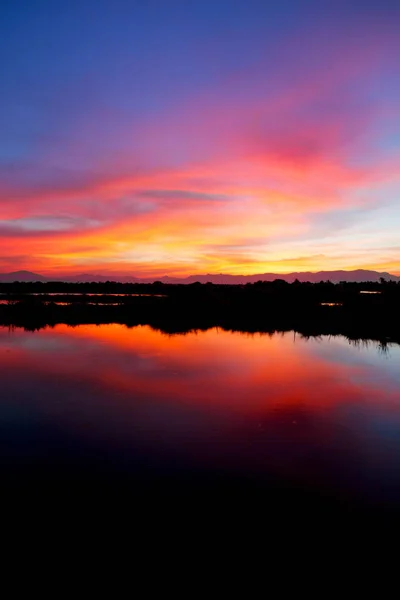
[21,276]
[333,276]
[358,275]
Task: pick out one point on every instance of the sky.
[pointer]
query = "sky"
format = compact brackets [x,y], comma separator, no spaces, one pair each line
[177,137]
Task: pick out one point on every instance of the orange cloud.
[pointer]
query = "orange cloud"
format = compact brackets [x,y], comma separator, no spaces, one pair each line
[245,182]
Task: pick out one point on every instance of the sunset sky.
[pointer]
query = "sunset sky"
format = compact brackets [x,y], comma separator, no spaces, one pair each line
[154,137]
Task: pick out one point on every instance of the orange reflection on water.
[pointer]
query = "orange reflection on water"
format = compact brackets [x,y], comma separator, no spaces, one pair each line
[213,370]
[315,411]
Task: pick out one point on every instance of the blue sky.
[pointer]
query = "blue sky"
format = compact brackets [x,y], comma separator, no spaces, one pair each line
[124,123]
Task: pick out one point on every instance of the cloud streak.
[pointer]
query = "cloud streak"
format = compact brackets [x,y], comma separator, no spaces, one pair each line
[286,152]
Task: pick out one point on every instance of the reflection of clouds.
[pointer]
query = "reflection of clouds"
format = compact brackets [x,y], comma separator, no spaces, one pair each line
[246,403]
[364,357]
[212,369]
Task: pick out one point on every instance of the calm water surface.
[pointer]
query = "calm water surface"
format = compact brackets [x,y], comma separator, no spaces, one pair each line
[139,405]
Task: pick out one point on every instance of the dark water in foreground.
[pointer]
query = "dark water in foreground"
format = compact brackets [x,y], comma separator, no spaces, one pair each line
[273,418]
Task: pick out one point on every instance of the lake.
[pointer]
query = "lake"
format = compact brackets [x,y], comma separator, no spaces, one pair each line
[210,412]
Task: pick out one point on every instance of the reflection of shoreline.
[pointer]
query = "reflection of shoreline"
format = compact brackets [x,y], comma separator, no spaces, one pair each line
[239,416]
[353,323]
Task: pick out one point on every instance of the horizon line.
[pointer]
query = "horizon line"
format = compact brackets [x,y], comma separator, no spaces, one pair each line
[200,274]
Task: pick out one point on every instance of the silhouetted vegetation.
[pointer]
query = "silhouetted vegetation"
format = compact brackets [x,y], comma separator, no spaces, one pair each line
[348,309]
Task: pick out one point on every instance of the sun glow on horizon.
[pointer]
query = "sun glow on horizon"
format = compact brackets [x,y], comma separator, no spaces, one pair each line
[263,145]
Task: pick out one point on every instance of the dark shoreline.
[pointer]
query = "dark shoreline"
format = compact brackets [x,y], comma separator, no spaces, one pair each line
[310,310]
[70,473]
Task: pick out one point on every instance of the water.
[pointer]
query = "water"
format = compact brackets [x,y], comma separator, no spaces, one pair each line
[80,295]
[70,298]
[211,410]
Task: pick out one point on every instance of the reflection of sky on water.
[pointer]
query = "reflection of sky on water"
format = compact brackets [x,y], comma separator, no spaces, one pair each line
[381,363]
[320,410]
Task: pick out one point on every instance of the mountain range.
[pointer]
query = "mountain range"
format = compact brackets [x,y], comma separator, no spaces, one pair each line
[358,275]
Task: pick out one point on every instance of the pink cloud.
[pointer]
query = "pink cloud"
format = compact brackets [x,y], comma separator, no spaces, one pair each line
[254,158]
